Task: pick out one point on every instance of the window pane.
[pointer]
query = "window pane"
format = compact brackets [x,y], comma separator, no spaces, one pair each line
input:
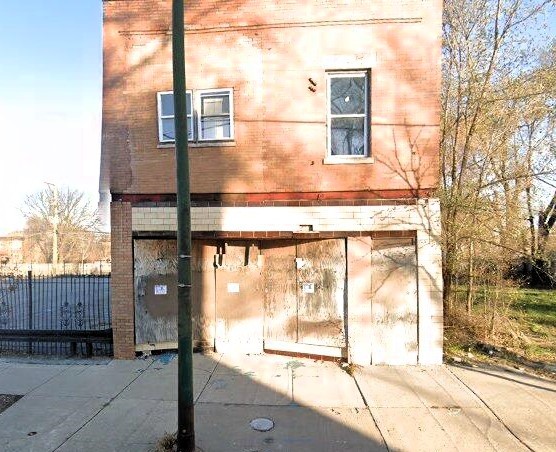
[188,103]
[167,104]
[215,105]
[347,95]
[168,131]
[190,128]
[347,136]
[215,128]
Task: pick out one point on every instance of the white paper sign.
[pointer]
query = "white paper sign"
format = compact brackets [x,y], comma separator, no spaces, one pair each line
[308,287]
[161,289]
[233,287]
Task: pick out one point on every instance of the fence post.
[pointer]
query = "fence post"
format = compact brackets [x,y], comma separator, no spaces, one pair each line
[30,306]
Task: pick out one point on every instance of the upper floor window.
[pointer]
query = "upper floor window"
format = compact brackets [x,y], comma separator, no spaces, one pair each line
[166,131]
[215,116]
[210,110]
[348,114]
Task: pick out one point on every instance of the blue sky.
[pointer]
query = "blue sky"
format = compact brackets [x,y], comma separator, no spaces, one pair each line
[50,99]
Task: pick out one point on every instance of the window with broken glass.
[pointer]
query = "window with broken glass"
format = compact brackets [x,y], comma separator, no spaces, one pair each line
[348,114]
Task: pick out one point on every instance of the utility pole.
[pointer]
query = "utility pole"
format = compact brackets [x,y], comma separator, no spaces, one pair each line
[186,425]
[55,223]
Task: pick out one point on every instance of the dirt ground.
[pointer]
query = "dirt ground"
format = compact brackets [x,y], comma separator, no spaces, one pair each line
[7,400]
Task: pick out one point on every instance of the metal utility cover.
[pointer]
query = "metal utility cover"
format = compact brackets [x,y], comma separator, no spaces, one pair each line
[262,424]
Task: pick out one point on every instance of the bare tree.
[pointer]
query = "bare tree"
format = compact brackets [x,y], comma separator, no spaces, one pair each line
[497,134]
[61,225]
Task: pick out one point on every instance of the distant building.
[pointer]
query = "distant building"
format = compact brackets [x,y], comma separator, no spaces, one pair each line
[314,156]
[11,248]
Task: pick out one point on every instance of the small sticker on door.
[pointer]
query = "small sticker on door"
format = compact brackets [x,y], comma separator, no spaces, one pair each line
[308,287]
[233,287]
[161,289]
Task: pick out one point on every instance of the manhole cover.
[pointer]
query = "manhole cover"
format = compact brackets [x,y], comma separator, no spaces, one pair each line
[262,424]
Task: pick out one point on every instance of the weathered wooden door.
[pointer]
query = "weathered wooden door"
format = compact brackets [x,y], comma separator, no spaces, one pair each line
[304,292]
[203,292]
[321,277]
[394,302]
[239,300]
[280,291]
[156,308]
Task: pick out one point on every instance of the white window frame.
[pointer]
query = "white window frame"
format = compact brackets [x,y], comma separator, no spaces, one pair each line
[161,138]
[198,100]
[344,74]
[159,95]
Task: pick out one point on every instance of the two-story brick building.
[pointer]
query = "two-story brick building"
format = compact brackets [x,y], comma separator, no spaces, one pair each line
[314,142]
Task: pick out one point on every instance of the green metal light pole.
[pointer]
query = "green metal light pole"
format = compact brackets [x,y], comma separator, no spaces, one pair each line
[186,425]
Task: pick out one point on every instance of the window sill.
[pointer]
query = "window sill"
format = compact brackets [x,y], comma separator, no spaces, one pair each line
[166,146]
[199,144]
[337,160]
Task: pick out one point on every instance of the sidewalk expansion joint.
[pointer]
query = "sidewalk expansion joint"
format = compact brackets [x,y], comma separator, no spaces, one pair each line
[264,405]
[104,406]
[48,380]
[370,412]
[491,410]
[431,409]
[208,380]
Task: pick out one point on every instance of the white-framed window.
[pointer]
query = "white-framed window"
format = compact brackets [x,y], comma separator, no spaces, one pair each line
[215,115]
[348,114]
[209,115]
[166,131]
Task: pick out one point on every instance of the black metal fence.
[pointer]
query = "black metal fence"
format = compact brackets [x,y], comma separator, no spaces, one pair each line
[55,315]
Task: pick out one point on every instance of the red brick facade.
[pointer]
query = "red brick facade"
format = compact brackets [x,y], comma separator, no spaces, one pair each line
[122,280]
[267,51]
[276,56]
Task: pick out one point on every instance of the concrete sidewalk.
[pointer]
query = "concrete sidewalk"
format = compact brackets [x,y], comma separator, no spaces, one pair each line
[129,405]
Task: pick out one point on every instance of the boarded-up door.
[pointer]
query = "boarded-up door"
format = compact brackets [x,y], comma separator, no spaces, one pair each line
[280,291]
[156,308]
[239,298]
[156,304]
[202,292]
[321,277]
[304,293]
[394,302]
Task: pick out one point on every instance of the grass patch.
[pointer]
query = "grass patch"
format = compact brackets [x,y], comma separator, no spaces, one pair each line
[168,443]
[534,311]
[518,325]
